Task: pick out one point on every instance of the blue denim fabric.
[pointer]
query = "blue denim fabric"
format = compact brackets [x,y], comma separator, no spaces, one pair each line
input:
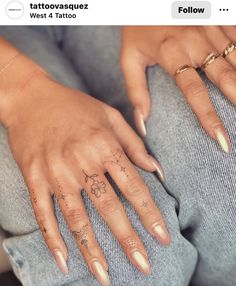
[197,200]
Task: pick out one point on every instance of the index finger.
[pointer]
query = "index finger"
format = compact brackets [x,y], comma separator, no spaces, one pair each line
[196,92]
[135,190]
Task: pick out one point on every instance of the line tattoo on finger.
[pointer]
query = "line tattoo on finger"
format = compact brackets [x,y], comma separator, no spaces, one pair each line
[61,195]
[33,197]
[97,187]
[116,160]
[82,235]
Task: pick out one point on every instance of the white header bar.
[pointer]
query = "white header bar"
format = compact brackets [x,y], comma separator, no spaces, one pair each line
[117,12]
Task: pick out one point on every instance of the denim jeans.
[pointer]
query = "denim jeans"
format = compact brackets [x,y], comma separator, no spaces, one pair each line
[198,199]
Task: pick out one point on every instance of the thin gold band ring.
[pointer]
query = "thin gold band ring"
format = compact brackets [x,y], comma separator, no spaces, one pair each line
[183,69]
[209,60]
[228,50]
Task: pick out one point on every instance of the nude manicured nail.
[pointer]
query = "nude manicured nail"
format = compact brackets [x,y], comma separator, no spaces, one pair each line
[223,139]
[158,168]
[161,233]
[139,120]
[100,273]
[141,262]
[61,262]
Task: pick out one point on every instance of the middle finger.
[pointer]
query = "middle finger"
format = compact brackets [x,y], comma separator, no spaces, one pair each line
[112,211]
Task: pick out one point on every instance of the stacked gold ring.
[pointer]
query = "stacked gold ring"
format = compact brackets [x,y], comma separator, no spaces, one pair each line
[183,69]
[228,50]
[209,60]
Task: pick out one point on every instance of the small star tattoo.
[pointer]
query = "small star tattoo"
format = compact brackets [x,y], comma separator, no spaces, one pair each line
[144,204]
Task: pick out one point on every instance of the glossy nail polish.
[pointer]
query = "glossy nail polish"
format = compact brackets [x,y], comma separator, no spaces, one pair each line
[161,233]
[100,273]
[141,262]
[61,262]
[223,139]
[140,124]
[158,168]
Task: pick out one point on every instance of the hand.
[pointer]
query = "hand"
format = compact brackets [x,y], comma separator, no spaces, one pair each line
[173,48]
[64,141]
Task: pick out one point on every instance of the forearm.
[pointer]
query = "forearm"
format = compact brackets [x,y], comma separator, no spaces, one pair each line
[16,70]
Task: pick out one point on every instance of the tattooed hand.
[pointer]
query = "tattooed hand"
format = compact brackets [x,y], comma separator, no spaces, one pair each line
[64,141]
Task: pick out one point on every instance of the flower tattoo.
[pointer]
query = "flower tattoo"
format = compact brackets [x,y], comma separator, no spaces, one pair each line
[97,187]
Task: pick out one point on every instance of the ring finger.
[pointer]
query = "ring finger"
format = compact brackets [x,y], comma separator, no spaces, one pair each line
[67,192]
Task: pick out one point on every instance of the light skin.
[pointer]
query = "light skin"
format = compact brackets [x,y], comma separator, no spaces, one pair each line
[172,48]
[64,141]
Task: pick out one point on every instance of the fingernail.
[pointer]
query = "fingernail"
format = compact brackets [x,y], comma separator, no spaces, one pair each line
[160,233]
[100,273]
[223,139]
[141,262]
[158,168]
[139,120]
[61,262]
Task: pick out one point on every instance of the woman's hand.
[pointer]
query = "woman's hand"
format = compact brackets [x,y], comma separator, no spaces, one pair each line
[179,50]
[64,141]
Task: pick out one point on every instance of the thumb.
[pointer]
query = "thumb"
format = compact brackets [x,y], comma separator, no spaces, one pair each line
[136,84]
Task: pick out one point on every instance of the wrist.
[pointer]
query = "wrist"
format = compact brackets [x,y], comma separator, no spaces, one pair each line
[16,70]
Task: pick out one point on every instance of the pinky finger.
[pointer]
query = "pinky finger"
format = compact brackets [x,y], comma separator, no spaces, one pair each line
[44,212]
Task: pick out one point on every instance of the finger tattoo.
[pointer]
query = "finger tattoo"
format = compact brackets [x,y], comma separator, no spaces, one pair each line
[61,195]
[144,204]
[82,235]
[33,197]
[130,243]
[97,187]
[116,159]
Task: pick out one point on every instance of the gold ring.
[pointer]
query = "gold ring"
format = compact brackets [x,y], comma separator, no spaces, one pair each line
[228,50]
[183,69]
[209,60]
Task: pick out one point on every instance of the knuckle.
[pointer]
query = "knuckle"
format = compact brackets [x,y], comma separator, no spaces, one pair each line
[71,149]
[137,150]
[42,222]
[100,137]
[54,166]
[135,186]
[167,41]
[75,215]
[32,174]
[41,216]
[193,90]
[108,206]
[227,76]
[116,114]
[212,118]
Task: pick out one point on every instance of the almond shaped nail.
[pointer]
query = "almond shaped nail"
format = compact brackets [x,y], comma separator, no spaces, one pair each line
[100,273]
[61,262]
[222,138]
[139,120]
[161,233]
[158,168]
[141,262]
